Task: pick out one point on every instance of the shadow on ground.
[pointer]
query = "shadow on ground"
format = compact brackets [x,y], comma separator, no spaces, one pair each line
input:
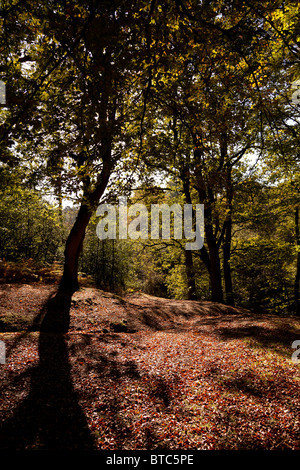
[277,337]
[113,386]
[50,418]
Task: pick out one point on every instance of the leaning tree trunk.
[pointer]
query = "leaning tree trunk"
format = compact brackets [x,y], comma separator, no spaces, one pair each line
[73,248]
[74,243]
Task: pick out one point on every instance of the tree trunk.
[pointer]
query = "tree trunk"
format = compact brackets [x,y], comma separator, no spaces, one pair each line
[189,262]
[74,243]
[297,278]
[73,249]
[215,265]
[189,267]
[216,277]
[229,298]
[227,244]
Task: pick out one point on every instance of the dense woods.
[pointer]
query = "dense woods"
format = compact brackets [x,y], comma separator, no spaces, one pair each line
[187,102]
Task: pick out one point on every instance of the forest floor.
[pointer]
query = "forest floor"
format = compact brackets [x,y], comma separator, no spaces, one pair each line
[138,372]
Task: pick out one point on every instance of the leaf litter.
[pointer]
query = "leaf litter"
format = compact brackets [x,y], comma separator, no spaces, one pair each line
[176,375]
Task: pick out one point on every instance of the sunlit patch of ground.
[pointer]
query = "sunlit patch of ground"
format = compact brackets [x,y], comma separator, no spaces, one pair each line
[140,372]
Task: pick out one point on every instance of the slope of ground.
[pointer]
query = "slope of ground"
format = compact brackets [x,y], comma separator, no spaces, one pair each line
[140,372]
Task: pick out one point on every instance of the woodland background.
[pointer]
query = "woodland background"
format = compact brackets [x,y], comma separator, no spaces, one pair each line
[141,344]
[163,102]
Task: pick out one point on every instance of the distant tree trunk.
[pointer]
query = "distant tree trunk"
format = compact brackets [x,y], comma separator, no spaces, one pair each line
[211,256]
[229,298]
[112,269]
[189,262]
[189,267]
[297,278]
[60,199]
[215,276]
[215,273]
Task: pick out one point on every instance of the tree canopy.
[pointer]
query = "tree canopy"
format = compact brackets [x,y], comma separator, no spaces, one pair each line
[178,100]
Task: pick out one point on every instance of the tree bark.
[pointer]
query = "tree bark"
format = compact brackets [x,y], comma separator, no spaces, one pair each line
[189,267]
[73,248]
[229,297]
[211,256]
[216,277]
[215,265]
[297,277]
[189,262]
[74,243]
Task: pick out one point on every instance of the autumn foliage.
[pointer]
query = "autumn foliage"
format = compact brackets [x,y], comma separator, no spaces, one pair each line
[179,375]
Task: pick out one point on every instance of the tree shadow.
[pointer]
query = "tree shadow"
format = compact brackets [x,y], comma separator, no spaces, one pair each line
[278,338]
[50,417]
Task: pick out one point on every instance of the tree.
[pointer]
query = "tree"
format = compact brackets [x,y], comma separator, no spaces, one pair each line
[99,89]
[216,99]
[207,124]
[81,97]
[263,253]
[30,226]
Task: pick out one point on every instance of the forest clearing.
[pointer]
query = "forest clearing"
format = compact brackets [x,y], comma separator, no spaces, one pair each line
[139,372]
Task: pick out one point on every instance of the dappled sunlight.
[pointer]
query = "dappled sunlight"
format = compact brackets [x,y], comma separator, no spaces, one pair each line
[172,378]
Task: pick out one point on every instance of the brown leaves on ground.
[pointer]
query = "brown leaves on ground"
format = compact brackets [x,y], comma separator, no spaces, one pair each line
[139,372]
